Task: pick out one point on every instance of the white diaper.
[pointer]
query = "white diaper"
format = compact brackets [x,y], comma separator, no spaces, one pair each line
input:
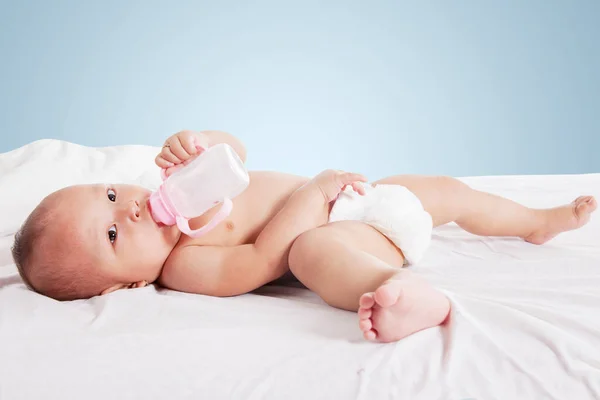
[391,209]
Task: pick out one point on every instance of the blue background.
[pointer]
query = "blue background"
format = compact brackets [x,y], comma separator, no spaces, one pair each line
[378,87]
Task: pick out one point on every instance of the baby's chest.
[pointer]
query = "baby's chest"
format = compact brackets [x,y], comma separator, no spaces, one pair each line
[242,227]
[230,232]
[252,211]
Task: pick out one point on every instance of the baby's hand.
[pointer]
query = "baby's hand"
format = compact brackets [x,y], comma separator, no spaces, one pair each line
[180,149]
[331,182]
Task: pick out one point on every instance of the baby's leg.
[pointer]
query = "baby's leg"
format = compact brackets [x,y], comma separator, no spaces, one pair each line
[449,200]
[352,266]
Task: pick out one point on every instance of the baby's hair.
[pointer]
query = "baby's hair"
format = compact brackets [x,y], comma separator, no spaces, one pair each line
[47,267]
[26,239]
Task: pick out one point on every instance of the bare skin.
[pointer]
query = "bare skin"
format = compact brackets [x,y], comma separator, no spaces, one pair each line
[353,267]
[279,224]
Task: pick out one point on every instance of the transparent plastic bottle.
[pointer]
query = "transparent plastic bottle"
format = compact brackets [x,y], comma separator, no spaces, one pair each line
[215,176]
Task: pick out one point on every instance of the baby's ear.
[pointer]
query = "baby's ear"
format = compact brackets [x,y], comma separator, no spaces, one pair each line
[114,288]
[118,286]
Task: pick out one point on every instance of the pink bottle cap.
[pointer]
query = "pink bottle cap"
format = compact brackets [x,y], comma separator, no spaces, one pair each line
[159,208]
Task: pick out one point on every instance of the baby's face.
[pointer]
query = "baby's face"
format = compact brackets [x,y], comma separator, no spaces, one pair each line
[115,228]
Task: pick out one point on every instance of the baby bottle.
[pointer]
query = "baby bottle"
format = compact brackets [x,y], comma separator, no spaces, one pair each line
[216,176]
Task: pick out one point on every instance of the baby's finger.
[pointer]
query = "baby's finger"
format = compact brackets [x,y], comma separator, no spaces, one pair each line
[359,188]
[350,177]
[188,141]
[178,150]
[161,162]
[170,171]
[168,155]
[189,160]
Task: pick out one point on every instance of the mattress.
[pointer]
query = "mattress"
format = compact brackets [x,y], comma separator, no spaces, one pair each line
[525,322]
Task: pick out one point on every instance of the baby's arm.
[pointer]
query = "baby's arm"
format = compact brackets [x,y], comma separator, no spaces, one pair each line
[216,137]
[229,271]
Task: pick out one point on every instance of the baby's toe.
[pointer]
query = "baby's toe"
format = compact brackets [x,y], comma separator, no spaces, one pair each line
[370,335]
[388,293]
[366,300]
[365,313]
[587,206]
[365,325]
[585,201]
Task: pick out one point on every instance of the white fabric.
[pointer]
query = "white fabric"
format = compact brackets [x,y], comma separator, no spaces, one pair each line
[525,321]
[391,209]
[31,172]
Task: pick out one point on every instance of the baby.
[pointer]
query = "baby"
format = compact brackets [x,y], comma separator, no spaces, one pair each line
[90,240]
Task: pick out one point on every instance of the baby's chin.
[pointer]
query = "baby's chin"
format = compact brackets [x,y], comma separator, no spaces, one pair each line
[171,234]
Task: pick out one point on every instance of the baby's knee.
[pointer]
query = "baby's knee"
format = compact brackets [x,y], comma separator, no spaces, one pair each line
[301,248]
[307,249]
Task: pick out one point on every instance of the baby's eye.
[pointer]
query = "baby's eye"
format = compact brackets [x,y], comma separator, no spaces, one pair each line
[112,195]
[112,233]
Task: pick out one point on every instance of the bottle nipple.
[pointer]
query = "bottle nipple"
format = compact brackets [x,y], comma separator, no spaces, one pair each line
[159,209]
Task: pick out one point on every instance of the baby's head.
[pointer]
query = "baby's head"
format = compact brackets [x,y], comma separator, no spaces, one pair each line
[88,240]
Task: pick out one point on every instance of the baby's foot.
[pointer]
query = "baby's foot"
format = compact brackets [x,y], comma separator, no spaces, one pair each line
[400,307]
[565,218]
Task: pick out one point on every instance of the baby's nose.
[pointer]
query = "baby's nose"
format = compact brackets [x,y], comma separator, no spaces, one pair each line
[133,210]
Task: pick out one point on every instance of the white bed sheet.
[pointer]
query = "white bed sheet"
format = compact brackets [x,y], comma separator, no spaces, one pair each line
[525,321]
